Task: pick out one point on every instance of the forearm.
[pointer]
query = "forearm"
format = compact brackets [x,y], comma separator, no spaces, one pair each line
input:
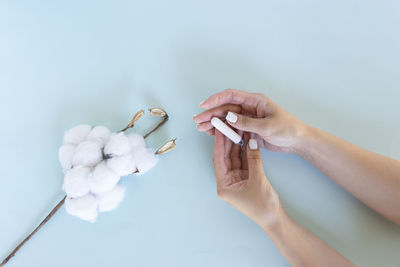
[372,178]
[300,246]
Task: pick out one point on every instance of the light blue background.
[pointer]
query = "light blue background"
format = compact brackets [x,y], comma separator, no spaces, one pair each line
[334,64]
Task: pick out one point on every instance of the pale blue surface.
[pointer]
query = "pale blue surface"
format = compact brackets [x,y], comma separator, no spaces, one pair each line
[333,64]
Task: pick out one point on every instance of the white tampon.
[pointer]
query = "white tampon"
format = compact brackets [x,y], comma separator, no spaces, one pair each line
[226,130]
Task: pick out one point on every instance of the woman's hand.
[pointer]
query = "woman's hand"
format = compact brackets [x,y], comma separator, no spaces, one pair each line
[242,183]
[241,180]
[276,128]
[240,177]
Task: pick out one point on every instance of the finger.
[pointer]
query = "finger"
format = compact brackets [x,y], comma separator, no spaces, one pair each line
[220,111]
[246,137]
[211,132]
[219,156]
[245,123]
[236,161]
[227,96]
[254,158]
[204,126]
[228,149]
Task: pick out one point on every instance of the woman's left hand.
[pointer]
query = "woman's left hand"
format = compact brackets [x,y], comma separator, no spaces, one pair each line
[241,180]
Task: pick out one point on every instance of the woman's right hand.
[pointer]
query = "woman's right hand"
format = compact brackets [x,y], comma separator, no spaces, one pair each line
[277,129]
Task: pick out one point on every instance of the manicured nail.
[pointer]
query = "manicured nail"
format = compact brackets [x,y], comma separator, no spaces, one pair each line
[231,117]
[253,144]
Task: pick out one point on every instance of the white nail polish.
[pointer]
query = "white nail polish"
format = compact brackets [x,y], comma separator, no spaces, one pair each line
[226,130]
[253,144]
[231,117]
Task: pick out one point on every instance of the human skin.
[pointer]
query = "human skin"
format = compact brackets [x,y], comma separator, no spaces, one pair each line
[370,177]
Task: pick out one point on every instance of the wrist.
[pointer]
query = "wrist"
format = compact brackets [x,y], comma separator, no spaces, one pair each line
[305,135]
[273,223]
[271,220]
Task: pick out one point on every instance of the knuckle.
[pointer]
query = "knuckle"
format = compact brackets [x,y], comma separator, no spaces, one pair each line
[230,93]
[264,127]
[262,97]
[218,98]
[254,157]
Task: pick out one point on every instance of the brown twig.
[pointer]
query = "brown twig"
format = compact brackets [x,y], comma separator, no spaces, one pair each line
[45,220]
[164,120]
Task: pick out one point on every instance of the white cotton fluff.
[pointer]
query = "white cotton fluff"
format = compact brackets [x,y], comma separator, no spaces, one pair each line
[65,154]
[76,182]
[122,165]
[145,159]
[77,134]
[91,180]
[136,140]
[100,133]
[111,200]
[82,207]
[118,145]
[87,153]
[102,179]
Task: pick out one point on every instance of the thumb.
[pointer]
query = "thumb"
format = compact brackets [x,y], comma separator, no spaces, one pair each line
[244,123]
[254,161]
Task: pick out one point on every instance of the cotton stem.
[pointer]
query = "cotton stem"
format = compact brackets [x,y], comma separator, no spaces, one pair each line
[164,120]
[45,220]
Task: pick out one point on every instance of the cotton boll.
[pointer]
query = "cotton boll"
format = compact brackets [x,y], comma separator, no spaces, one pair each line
[118,145]
[111,200]
[76,182]
[77,134]
[100,133]
[65,154]
[102,179]
[88,153]
[122,165]
[136,140]
[84,207]
[144,159]
[98,141]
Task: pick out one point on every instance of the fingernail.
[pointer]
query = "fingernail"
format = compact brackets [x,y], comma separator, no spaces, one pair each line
[201,103]
[253,144]
[231,117]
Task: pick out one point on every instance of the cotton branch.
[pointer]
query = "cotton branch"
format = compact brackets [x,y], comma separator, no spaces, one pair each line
[163,149]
